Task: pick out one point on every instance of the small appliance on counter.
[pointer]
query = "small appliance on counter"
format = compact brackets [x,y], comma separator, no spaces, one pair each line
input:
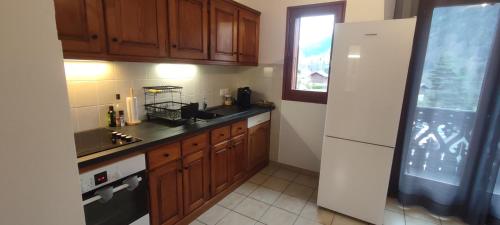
[132,110]
[244,98]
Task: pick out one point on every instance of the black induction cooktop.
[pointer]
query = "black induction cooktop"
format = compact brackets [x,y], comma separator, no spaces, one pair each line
[98,140]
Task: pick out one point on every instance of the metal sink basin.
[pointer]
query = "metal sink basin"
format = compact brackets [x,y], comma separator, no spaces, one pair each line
[204,115]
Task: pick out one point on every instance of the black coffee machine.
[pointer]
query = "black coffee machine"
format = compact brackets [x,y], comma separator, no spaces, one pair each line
[244,96]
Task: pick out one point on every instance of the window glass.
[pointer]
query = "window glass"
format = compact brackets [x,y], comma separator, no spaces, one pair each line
[313,53]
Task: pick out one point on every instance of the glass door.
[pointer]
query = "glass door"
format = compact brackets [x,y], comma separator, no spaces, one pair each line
[453,77]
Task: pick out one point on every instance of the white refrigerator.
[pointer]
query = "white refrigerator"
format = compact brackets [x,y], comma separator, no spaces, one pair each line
[369,69]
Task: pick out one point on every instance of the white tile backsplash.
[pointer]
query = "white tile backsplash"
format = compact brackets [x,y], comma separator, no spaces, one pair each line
[88,117]
[90,97]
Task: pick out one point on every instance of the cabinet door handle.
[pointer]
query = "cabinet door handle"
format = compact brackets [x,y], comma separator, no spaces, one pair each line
[186,168]
[195,144]
[222,135]
[114,39]
[166,155]
[94,36]
[174,46]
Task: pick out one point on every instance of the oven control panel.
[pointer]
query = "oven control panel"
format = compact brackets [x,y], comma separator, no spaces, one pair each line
[99,177]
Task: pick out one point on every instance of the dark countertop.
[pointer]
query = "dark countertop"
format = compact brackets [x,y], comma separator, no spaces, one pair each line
[156,132]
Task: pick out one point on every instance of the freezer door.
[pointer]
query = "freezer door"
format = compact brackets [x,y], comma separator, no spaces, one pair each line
[354,179]
[369,69]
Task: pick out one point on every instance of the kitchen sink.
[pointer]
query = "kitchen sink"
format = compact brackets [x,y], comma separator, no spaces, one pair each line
[204,115]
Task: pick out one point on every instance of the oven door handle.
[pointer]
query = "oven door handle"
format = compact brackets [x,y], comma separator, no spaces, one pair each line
[116,189]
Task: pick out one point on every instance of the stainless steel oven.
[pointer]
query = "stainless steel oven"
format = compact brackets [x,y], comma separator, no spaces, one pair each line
[116,194]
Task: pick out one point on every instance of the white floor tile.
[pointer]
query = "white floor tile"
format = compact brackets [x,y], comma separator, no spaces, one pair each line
[276,216]
[196,222]
[393,205]
[313,212]
[286,174]
[393,218]
[306,180]
[276,184]
[304,221]
[344,220]
[414,221]
[421,214]
[270,169]
[291,204]
[246,189]
[265,195]
[259,178]
[299,191]
[213,215]
[234,218]
[232,200]
[252,208]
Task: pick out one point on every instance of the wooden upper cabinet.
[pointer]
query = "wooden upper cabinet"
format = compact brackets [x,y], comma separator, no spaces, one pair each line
[80,25]
[188,29]
[223,31]
[248,43]
[258,144]
[165,188]
[136,27]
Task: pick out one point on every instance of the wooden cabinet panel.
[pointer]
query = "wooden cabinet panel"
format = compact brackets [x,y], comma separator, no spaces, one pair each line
[238,157]
[220,168]
[258,144]
[136,27]
[238,128]
[188,29]
[220,134]
[223,31]
[163,155]
[248,46]
[195,144]
[165,187]
[80,25]
[196,180]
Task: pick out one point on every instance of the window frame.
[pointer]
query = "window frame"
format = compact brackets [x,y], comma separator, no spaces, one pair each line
[289,70]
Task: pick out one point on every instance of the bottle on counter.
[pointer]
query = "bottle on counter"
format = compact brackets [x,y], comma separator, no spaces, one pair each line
[121,118]
[111,117]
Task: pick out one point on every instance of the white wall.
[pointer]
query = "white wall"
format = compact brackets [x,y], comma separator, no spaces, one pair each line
[39,182]
[297,128]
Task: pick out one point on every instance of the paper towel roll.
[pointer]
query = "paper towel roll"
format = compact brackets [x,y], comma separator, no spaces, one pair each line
[132,111]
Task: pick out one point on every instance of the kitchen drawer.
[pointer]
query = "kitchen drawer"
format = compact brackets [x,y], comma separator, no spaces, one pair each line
[239,128]
[195,144]
[220,134]
[163,155]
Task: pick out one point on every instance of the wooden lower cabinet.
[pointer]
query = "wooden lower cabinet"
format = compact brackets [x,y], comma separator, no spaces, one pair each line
[196,180]
[185,177]
[220,167]
[238,157]
[165,188]
[258,144]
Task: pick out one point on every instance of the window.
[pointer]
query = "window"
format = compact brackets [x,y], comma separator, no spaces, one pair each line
[308,50]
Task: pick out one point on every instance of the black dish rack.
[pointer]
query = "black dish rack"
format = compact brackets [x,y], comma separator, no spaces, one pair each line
[164,102]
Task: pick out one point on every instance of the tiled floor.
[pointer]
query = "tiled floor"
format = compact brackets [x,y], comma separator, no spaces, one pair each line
[278,196]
